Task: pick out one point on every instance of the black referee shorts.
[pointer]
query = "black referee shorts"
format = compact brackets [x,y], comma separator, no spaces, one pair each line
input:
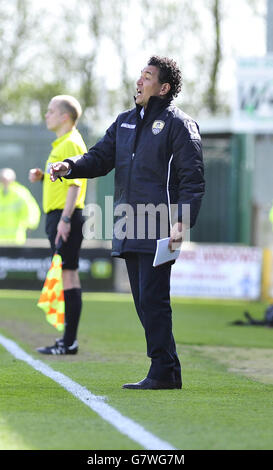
[70,250]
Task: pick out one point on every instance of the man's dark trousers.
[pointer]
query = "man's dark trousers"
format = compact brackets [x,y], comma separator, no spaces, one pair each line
[151,292]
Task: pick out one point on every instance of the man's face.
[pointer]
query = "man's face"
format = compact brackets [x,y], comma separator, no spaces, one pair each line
[54,116]
[148,85]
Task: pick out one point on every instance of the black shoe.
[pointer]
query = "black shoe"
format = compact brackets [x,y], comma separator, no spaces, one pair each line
[152,384]
[59,348]
[59,341]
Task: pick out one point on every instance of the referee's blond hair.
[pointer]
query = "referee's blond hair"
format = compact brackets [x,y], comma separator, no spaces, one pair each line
[69,104]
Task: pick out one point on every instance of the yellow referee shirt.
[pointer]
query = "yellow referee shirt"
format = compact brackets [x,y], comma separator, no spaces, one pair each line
[54,194]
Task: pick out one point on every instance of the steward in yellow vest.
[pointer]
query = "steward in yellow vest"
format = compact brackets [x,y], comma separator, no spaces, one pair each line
[19,210]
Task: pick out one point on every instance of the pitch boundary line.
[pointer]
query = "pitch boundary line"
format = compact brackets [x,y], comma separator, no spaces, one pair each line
[124,425]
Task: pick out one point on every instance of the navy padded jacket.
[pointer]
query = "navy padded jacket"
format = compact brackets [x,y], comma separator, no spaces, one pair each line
[157,160]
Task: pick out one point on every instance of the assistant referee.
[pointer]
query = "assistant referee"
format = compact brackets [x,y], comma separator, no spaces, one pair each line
[63,203]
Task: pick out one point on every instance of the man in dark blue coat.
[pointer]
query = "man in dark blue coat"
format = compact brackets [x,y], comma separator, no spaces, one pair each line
[156,152]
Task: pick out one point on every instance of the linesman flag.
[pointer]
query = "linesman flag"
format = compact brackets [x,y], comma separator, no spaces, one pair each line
[52,295]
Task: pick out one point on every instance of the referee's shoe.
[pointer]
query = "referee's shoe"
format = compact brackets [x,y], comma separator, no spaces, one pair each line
[59,348]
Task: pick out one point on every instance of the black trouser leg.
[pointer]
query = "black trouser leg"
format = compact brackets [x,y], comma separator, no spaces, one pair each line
[151,292]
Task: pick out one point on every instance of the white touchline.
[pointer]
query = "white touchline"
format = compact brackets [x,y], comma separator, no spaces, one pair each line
[123,424]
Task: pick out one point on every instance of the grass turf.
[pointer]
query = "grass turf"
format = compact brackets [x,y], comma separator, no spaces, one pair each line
[217,408]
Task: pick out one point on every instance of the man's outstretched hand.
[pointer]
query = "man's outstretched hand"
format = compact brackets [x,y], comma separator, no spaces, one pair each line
[58,170]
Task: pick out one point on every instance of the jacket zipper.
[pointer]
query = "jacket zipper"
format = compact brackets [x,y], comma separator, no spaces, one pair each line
[132,157]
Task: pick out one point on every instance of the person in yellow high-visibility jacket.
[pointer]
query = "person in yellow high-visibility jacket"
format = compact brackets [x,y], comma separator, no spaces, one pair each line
[63,203]
[19,210]
[271,215]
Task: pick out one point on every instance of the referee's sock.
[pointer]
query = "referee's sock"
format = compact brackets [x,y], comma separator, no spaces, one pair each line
[73,307]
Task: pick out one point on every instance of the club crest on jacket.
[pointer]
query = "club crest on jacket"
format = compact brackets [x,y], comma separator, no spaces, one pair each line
[157,127]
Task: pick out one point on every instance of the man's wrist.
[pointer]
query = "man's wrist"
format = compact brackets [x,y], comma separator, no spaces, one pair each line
[69,169]
[66,219]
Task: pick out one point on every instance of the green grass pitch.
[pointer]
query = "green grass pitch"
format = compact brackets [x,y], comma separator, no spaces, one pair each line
[227,370]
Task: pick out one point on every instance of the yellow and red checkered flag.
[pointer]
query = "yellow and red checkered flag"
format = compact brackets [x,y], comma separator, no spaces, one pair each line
[52,295]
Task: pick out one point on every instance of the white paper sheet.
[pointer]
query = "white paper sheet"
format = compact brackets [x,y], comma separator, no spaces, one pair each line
[163,254]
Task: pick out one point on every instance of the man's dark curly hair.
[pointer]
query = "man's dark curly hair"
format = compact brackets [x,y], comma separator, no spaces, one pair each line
[168,73]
